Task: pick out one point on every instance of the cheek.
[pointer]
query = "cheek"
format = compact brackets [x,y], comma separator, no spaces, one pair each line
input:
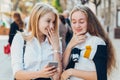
[84,26]
[42,26]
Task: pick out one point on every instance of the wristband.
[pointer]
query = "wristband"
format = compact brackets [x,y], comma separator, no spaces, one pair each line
[56,51]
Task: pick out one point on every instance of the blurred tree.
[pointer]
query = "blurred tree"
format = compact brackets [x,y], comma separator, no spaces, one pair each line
[97,3]
[56,4]
[23,6]
[63,4]
[15,4]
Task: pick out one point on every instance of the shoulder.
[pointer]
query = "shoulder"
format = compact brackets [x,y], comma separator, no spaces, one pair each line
[97,40]
[17,43]
[13,23]
[21,36]
[18,37]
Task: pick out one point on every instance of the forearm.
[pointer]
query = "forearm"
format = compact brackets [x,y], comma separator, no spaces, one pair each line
[57,57]
[27,75]
[66,55]
[59,69]
[86,75]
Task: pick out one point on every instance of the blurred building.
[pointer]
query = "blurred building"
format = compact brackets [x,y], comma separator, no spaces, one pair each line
[107,11]
[5,10]
[110,10]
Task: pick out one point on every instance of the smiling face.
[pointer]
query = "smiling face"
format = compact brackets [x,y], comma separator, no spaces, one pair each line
[79,22]
[46,22]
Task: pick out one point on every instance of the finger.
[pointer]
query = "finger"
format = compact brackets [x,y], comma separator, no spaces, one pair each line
[82,37]
[46,66]
[48,35]
[74,34]
[81,33]
[50,68]
[50,32]
[81,40]
[51,73]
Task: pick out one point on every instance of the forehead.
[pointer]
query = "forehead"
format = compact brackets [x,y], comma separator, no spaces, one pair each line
[50,15]
[78,15]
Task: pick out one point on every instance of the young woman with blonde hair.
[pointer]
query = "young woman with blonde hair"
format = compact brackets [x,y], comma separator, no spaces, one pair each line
[89,54]
[42,46]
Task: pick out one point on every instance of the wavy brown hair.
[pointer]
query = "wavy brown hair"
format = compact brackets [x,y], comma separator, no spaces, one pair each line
[96,29]
[18,20]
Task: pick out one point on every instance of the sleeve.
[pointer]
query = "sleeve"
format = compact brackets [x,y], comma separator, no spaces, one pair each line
[12,31]
[97,51]
[16,53]
[100,61]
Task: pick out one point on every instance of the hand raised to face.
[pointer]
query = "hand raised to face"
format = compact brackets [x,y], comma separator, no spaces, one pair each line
[77,39]
[54,39]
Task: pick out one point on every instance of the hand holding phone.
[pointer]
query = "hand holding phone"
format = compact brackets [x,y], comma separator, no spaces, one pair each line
[53,63]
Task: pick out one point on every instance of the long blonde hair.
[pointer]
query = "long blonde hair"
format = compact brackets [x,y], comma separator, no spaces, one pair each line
[96,29]
[39,10]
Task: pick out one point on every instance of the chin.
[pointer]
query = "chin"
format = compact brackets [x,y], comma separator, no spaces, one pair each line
[84,33]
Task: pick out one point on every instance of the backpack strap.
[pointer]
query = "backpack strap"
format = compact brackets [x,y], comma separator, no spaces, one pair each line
[74,58]
[24,51]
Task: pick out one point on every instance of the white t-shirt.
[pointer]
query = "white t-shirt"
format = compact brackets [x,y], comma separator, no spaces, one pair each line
[36,55]
[88,51]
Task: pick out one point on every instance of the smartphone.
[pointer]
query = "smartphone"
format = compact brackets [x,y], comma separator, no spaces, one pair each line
[53,63]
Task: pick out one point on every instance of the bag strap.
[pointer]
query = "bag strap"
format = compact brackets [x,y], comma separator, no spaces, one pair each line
[24,51]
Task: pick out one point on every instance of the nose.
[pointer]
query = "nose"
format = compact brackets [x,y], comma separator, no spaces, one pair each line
[77,25]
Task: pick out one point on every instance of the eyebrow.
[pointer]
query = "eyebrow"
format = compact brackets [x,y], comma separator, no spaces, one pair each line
[50,19]
[79,19]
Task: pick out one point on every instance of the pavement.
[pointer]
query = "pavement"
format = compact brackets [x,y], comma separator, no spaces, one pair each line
[5,60]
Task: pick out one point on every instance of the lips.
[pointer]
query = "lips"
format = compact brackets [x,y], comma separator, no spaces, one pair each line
[78,30]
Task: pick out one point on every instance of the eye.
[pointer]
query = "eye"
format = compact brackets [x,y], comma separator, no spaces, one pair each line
[73,22]
[81,22]
[48,21]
